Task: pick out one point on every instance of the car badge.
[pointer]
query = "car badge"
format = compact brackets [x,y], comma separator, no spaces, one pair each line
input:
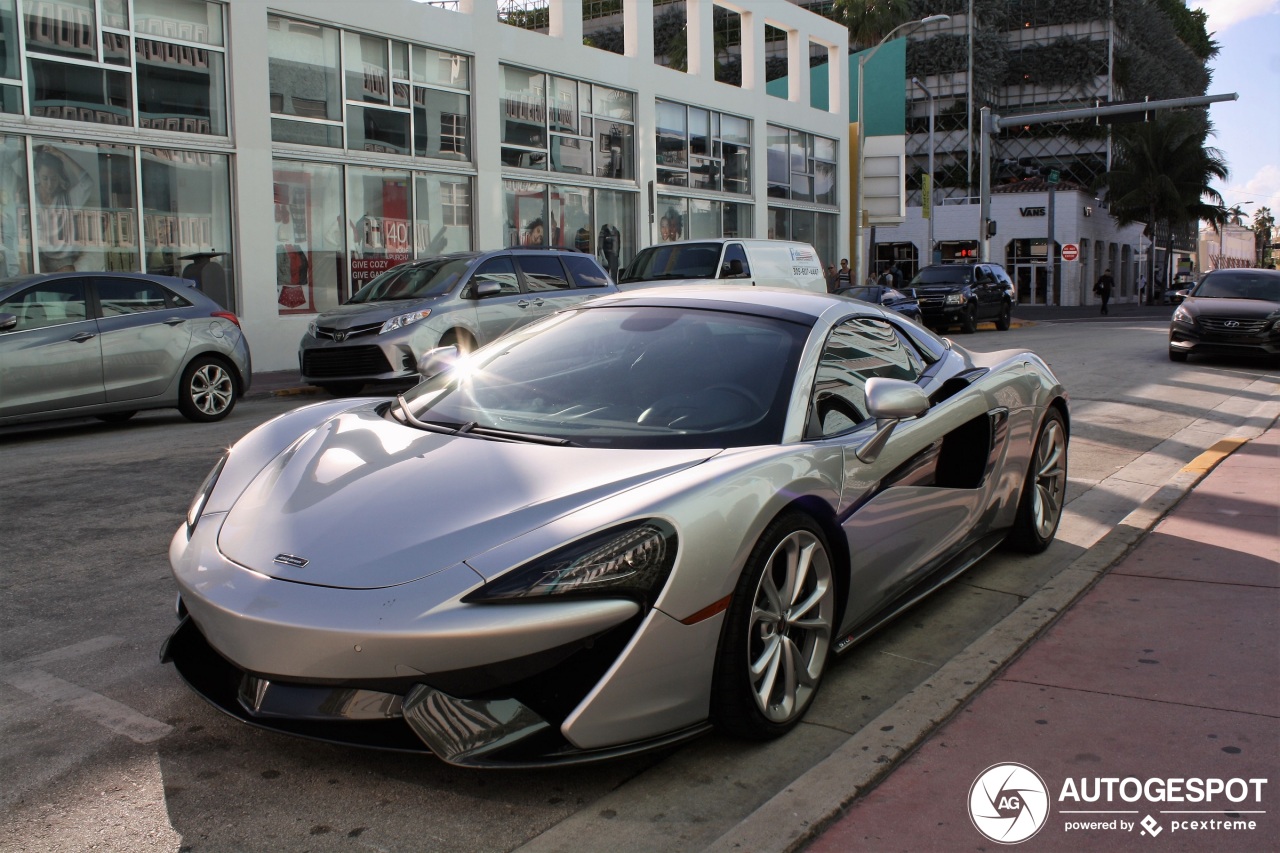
[1232,324]
[291,560]
[339,336]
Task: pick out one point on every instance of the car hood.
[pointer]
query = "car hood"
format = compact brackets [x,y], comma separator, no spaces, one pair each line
[1221,307]
[363,313]
[369,503]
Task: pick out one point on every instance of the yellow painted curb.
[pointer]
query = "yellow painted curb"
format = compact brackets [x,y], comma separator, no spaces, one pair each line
[1205,462]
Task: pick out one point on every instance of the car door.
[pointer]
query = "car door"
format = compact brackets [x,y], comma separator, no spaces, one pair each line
[547,285]
[988,290]
[52,359]
[145,337]
[903,514]
[503,311]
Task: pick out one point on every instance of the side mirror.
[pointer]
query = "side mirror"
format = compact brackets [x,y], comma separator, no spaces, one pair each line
[890,401]
[485,289]
[437,360]
[8,321]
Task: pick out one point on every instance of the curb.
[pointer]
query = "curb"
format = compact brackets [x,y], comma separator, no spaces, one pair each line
[801,811]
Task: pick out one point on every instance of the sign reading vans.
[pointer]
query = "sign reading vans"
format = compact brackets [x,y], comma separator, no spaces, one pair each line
[766,263]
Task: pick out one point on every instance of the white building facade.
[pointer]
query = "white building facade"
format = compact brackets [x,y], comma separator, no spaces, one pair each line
[299,147]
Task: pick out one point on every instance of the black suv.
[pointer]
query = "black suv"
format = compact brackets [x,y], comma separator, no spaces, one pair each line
[964,295]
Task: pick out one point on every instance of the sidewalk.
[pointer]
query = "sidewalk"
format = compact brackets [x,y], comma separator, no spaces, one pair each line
[1167,669]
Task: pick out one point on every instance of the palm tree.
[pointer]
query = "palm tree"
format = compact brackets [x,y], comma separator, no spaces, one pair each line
[1264,226]
[1161,175]
[870,20]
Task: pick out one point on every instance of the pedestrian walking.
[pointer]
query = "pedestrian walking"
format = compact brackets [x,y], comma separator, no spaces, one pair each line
[1103,288]
[1142,289]
[830,276]
[844,276]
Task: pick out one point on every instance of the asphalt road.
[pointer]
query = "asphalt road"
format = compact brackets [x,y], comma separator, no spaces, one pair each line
[104,748]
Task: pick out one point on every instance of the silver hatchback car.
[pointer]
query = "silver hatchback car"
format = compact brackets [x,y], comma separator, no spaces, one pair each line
[465,299]
[110,344]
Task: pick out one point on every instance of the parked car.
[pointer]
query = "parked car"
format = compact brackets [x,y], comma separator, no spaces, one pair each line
[1229,312]
[652,514]
[879,294]
[109,344]
[766,263]
[464,299]
[964,295]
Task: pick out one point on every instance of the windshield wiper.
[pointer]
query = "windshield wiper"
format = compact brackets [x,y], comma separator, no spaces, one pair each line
[410,420]
[509,435]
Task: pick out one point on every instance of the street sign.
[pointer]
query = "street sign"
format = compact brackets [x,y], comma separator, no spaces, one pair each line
[1070,251]
[1053,176]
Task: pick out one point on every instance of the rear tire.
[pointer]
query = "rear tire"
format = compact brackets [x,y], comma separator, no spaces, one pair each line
[208,391]
[969,322]
[777,633]
[1044,492]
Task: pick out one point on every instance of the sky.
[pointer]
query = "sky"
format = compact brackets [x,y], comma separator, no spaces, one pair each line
[1247,130]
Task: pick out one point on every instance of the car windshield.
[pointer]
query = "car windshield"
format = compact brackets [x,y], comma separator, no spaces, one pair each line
[685,260]
[1243,284]
[941,275]
[413,281]
[625,376]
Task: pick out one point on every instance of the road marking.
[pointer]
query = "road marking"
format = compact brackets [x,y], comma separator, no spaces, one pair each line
[108,713]
[1207,461]
[88,647]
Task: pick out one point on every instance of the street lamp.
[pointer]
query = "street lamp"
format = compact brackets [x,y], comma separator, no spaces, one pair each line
[932,213]
[859,257]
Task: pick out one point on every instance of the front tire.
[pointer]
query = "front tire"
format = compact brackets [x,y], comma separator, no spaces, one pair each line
[777,633]
[1005,318]
[208,391]
[459,338]
[1044,492]
[969,322]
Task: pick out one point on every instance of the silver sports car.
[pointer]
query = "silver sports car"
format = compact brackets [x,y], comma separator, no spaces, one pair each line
[636,519]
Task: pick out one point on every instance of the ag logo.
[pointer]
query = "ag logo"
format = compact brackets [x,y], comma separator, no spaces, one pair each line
[1008,803]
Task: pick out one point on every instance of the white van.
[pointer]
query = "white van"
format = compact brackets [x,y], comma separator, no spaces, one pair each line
[766,263]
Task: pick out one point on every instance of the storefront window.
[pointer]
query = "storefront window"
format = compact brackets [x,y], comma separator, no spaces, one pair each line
[673,213]
[184,20]
[186,218]
[304,66]
[702,149]
[566,126]
[443,221]
[84,207]
[311,230]
[615,218]
[15,222]
[573,228]
[180,88]
[382,234]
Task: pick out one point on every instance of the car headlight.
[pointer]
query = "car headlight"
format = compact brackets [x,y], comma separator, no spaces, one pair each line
[202,495]
[955,299]
[1182,315]
[630,561]
[402,320]
[312,328]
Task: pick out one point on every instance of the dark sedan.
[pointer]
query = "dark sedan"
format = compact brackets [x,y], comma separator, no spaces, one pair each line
[887,297]
[1230,312]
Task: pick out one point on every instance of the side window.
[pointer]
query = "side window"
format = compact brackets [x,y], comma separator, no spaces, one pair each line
[119,296]
[735,262]
[544,272]
[501,270]
[585,272]
[51,303]
[857,350]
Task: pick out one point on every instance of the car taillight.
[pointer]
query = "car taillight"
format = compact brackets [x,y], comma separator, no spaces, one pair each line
[227,315]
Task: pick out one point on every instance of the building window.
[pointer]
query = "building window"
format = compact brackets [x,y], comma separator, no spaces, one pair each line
[802,167]
[563,125]
[337,88]
[86,68]
[703,149]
